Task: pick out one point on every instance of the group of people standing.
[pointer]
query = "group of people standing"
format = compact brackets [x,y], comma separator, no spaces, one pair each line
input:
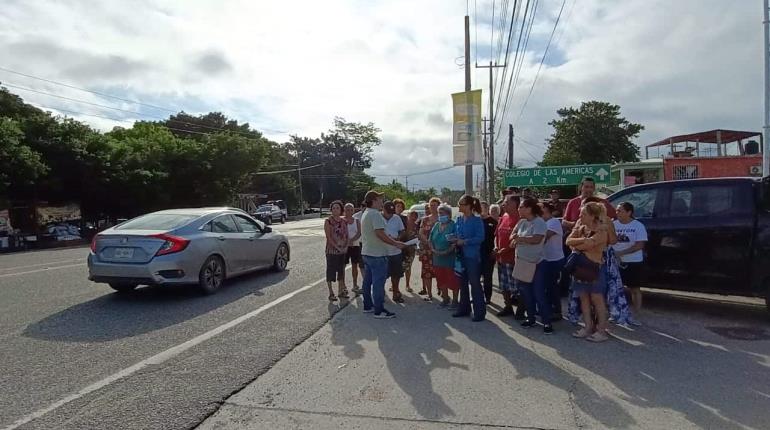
[535,252]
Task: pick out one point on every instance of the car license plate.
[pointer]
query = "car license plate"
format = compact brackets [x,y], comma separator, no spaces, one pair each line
[124,253]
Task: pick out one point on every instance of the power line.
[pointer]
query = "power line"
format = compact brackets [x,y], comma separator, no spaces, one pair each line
[542,60]
[288,170]
[87,90]
[243,133]
[503,101]
[414,173]
[110,96]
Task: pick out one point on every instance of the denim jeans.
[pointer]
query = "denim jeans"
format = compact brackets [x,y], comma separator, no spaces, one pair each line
[534,295]
[470,289]
[373,284]
[552,285]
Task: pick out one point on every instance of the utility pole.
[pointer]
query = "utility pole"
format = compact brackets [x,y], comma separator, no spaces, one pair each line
[491,145]
[299,179]
[510,146]
[487,194]
[766,128]
[468,164]
[484,168]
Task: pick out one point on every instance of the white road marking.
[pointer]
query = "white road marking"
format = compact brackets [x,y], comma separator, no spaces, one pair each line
[40,264]
[6,275]
[157,358]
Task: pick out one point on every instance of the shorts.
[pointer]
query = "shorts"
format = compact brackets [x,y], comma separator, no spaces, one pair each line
[597,287]
[335,267]
[446,278]
[396,266]
[505,276]
[354,255]
[632,274]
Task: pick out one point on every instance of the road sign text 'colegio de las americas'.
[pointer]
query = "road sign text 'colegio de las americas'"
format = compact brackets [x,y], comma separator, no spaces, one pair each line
[556,175]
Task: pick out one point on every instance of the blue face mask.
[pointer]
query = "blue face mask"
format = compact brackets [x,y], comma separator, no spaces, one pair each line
[443,219]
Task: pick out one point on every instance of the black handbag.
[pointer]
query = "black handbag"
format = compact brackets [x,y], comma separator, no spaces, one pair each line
[582,268]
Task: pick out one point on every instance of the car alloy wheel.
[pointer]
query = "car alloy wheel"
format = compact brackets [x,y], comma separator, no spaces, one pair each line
[281,258]
[212,275]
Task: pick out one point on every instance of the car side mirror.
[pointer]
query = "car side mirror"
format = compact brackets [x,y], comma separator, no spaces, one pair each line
[267,229]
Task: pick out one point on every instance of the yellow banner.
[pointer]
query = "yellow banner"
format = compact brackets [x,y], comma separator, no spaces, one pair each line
[466,128]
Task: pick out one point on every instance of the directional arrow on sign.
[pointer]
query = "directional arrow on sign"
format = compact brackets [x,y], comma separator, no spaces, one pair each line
[602,173]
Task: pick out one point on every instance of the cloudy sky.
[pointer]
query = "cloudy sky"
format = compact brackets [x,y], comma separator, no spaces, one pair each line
[290,67]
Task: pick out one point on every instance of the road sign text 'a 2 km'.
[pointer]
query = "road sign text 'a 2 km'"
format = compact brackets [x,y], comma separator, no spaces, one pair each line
[556,175]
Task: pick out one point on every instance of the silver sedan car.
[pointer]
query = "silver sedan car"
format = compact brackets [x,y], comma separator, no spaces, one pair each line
[185,246]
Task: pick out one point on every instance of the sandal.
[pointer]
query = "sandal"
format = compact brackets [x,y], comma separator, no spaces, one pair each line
[597,337]
[428,299]
[332,298]
[343,295]
[582,333]
[423,292]
[409,290]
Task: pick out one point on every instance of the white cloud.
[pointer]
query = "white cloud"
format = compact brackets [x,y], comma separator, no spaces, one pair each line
[676,67]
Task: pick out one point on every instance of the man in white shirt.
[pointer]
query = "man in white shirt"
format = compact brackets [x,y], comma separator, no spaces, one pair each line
[394,226]
[375,252]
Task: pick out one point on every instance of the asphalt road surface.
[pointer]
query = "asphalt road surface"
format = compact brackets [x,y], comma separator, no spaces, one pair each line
[76,355]
[60,333]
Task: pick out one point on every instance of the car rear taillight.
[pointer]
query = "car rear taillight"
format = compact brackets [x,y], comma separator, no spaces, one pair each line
[171,245]
[93,244]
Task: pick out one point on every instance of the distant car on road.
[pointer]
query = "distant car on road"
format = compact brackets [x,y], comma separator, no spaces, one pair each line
[281,205]
[270,214]
[185,246]
[419,208]
[705,235]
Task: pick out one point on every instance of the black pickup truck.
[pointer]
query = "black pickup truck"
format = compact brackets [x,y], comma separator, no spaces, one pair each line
[705,235]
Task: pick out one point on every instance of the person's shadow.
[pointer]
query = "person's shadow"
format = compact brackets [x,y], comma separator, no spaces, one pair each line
[686,367]
[409,356]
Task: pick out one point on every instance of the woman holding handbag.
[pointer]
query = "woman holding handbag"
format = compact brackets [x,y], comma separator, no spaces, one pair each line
[588,241]
[529,270]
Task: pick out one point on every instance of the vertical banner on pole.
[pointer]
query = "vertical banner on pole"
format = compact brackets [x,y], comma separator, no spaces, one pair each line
[466,128]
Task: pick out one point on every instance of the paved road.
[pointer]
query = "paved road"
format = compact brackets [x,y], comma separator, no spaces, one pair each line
[59,333]
[696,364]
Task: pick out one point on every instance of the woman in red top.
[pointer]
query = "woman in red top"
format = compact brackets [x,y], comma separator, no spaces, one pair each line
[505,254]
[426,253]
[336,230]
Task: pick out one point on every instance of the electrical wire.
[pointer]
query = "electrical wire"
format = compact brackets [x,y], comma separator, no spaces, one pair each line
[542,60]
[137,102]
[243,133]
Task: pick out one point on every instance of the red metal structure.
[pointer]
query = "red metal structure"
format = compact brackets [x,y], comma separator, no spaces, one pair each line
[696,159]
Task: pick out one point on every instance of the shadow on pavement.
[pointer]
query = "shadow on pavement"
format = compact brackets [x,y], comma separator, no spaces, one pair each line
[115,316]
[409,357]
[679,363]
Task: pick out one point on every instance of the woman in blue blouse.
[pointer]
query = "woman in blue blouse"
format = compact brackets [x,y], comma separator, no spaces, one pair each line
[470,235]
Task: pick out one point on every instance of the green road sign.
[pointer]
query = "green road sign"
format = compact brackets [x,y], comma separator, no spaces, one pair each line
[556,175]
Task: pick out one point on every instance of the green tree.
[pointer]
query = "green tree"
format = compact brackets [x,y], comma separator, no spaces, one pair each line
[19,164]
[594,133]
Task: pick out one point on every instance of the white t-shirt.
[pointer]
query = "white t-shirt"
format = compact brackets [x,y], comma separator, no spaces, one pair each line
[554,247]
[628,234]
[531,252]
[393,227]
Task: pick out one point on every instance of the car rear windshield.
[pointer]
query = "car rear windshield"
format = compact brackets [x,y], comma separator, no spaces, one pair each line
[157,222]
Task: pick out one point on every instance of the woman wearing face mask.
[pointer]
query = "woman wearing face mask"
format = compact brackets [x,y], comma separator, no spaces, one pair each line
[444,256]
[470,235]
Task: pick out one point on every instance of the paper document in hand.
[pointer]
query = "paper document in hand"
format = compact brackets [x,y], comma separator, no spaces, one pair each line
[412,242]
